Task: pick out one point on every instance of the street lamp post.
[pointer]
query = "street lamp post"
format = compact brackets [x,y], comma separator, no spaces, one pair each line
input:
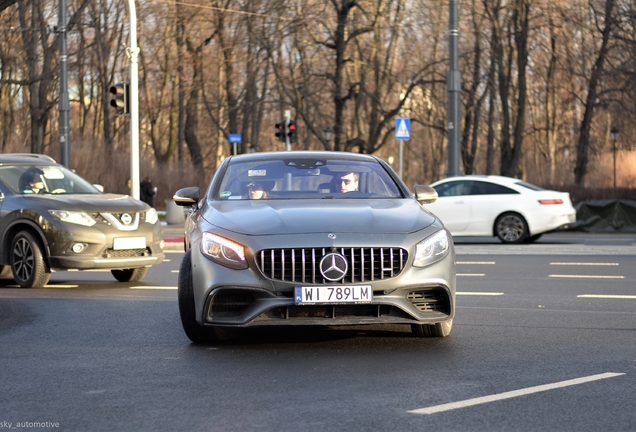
[614,136]
[134,100]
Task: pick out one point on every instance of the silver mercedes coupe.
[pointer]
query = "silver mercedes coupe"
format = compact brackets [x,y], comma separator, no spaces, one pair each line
[313,238]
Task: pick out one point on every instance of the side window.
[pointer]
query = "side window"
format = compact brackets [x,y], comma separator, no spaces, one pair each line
[456,188]
[483,188]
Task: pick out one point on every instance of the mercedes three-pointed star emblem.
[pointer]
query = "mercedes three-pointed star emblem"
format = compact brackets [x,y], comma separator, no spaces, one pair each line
[333,267]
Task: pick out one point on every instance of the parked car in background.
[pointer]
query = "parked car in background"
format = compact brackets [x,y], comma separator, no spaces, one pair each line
[52,219]
[511,209]
[312,238]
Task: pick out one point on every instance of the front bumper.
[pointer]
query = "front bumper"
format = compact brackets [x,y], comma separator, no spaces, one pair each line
[245,298]
[99,251]
[246,307]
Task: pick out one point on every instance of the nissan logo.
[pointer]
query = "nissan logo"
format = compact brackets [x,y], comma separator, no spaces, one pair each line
[333,267]
[126,219]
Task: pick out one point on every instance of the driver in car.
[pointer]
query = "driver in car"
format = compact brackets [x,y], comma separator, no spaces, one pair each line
[349,182]
[32,182]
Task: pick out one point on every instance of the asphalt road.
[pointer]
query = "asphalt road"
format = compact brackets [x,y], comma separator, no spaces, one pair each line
[543,340]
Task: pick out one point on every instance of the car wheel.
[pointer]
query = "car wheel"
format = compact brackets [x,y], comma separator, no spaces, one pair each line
[442,329]
[130,275]
[195,331]
[532,239]
[511,228]
[27,261]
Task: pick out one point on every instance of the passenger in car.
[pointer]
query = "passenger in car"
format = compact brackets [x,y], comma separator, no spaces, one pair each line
[256,191]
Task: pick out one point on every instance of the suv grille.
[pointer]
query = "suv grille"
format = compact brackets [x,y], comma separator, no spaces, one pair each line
[303,265]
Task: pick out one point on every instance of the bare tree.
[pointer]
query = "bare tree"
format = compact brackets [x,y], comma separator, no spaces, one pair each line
[605,23]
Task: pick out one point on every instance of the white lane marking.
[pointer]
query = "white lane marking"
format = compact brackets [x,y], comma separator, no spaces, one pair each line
[154,287]
[607,296]
[512,394]
[174,271]
[585,277]
[467,293]
[471,274]
[582,264]
[476,262]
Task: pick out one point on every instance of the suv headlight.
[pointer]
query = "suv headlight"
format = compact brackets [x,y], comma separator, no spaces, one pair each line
[223,251]
[74,217]
[431,249]
[152,216]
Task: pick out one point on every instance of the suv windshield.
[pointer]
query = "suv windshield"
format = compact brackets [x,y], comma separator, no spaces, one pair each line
[44,179]
[305,179]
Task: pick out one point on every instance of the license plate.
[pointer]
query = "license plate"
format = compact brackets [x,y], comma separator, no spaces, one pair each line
[333,294]
[129,243]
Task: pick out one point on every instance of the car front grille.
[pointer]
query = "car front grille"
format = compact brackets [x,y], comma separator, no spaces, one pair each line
[302,265]
[115,219]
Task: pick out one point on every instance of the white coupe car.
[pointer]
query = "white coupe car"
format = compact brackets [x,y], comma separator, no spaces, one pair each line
[511,209]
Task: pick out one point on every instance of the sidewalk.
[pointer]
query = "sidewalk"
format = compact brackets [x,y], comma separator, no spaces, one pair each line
[173,237]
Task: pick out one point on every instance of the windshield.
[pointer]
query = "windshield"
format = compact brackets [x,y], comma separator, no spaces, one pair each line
[44,179]
[306,178]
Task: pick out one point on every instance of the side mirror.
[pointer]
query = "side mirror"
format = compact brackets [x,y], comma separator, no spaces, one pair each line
[425,194]
[187,196]
[99,187]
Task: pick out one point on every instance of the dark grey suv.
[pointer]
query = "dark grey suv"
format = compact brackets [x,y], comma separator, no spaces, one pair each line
[52,219]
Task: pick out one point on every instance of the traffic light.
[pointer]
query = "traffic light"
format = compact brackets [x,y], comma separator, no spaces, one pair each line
[292,131]
[280,130]
[121,101]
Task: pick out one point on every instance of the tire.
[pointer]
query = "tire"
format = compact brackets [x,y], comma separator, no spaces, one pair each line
[438,330]
[130,275]
[532,239]
[27,261]
[511,228]
[195,331]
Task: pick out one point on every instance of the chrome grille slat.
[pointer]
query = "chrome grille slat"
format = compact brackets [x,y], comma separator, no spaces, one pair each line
[301,265]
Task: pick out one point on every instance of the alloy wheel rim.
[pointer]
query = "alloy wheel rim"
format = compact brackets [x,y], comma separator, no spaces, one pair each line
[511,228]
[23,259]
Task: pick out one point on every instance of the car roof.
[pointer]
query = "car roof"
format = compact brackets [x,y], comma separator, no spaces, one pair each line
[492,178]
[26,158]
[304,154]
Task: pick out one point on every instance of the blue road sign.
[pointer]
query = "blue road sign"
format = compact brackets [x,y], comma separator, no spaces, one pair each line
[234,138]
[403,129]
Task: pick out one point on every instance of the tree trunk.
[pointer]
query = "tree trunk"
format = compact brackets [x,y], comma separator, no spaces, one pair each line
[582,148]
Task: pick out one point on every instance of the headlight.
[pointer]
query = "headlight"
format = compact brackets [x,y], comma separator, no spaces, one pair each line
[223,251]
[152,216]
[79,218]
[431,250]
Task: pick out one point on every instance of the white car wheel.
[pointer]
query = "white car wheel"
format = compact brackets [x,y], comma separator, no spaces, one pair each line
[511,228]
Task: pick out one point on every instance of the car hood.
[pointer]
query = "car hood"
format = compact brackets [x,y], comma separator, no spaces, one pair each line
[90,202]
[319,216]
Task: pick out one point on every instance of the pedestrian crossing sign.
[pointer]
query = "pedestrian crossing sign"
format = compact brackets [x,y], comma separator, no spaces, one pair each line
[403,129]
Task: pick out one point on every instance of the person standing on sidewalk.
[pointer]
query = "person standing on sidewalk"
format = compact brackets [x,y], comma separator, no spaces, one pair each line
[147,192]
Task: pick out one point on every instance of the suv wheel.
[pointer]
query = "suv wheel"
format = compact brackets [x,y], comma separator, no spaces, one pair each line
[27,261]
